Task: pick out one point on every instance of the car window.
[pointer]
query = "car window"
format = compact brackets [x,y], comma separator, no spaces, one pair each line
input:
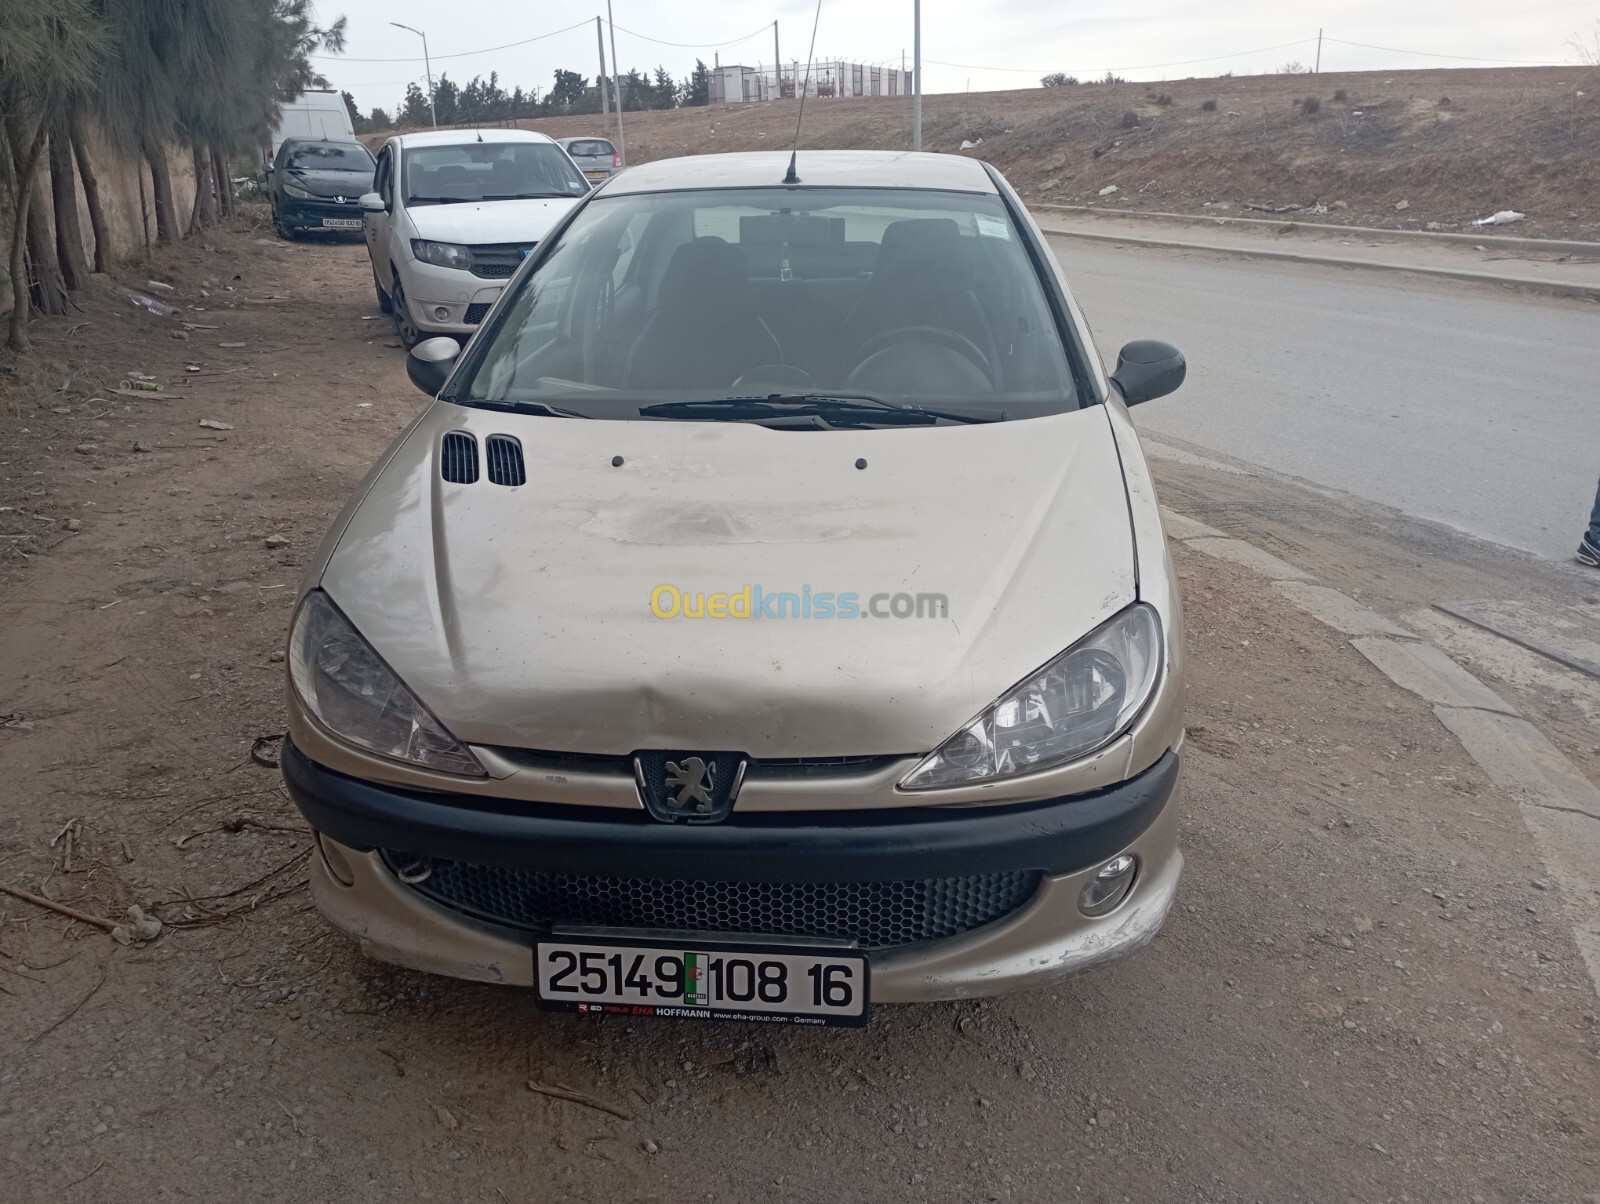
[329,156]
[383,180]
[478,171]
[590,148]
[912,297]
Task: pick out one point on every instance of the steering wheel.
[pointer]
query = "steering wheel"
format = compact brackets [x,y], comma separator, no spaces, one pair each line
[947,339]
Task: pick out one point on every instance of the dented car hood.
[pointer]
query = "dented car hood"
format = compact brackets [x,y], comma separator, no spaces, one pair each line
[522,615]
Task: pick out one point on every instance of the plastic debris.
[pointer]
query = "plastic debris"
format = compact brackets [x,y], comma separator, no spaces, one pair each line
[142,384]
[969,145]
[161,286]
[211,424]
[1108,190]
[1504,218]
[138,929]
[160,308]
[1402,204]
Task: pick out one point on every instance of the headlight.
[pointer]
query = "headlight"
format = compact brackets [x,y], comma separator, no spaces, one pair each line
[296,190]
[442,254]
[346,685]
[1081,701]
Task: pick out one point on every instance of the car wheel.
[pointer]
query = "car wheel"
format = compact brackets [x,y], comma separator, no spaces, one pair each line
[408,331]
[385,302]
[287,232]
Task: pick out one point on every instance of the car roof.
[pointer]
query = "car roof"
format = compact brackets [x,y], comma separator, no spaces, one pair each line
[584,138]
[467,137]
[837,169]
[299,138]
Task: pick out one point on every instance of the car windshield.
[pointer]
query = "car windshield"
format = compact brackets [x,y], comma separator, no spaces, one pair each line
[330,156]
[485,171]
[794,297]
[590,148]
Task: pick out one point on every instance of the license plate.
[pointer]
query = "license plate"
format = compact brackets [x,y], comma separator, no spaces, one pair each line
[341,223]
[702,981]
[597,175]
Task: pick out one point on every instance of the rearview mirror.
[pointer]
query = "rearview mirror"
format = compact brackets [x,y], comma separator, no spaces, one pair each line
[430,363]
[1147,369]
[371,202]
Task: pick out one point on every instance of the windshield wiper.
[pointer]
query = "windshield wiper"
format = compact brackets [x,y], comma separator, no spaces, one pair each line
[527,196]
[443,200]
[860,406]
[537,408]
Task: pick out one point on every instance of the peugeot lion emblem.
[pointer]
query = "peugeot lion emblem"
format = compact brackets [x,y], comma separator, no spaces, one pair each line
[693,782]
[338,200]
[677,786]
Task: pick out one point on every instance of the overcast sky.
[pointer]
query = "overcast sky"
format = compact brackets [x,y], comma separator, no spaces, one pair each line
[984,44]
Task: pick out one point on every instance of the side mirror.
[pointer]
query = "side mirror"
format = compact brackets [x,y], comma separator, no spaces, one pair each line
[430,363]
[1147,369]
[371,202]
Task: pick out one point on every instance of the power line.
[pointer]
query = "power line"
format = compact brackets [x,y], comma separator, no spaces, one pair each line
[1216,58]
[460,54]
[1465,58]
[693,45]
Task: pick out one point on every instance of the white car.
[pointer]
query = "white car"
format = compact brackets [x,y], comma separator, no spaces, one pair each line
[452,215]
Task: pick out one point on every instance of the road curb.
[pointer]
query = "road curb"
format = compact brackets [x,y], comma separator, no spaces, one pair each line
[1493,242]
[1559,806]
[1560,288]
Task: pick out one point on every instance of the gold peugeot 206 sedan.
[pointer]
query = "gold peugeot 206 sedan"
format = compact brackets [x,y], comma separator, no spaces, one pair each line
[769,617]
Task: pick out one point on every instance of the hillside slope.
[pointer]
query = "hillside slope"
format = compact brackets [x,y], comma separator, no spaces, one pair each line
[1452,145]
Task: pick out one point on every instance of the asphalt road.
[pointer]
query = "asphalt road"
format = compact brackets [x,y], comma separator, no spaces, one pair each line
[1456,403]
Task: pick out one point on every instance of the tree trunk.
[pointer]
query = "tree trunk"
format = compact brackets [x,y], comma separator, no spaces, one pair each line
[64,198]
[17,339]
[224,178]
[91,193]
[205,184]
[161,185]
[49,285]
[198,212]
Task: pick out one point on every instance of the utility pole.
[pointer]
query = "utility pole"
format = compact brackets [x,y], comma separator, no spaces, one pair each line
[616,76]
[916,78]
[427,66]
[777,60]
[1317,70]
[600,39]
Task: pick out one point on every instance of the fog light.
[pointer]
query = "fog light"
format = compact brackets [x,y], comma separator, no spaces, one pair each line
[441,314]
[338,868]
[1109,887]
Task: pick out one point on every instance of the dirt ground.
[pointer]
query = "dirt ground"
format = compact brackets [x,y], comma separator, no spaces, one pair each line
[1404,149]
[1368,991]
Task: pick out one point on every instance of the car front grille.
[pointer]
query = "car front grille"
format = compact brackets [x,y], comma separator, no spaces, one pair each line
[497,261]
[475,312]
[875,915]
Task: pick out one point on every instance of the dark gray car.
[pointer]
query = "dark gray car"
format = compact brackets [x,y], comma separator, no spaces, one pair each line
[596,158]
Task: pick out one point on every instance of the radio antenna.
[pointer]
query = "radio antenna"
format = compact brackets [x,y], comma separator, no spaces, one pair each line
[792,178]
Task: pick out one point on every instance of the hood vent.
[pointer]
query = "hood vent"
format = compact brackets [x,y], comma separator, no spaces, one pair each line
[505,460]
[458,458]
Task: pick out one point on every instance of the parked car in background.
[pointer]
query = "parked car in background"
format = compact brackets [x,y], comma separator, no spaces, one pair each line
[580,695]
[452,215]
[318,185]
[597,158]
[318,113]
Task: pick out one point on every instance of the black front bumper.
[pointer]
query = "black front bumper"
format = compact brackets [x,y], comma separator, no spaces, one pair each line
[302,214]
[1054,836]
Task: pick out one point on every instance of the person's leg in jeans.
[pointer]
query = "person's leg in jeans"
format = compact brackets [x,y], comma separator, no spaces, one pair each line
[1589,549]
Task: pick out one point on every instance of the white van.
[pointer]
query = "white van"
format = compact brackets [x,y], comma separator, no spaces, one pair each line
[319,113]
